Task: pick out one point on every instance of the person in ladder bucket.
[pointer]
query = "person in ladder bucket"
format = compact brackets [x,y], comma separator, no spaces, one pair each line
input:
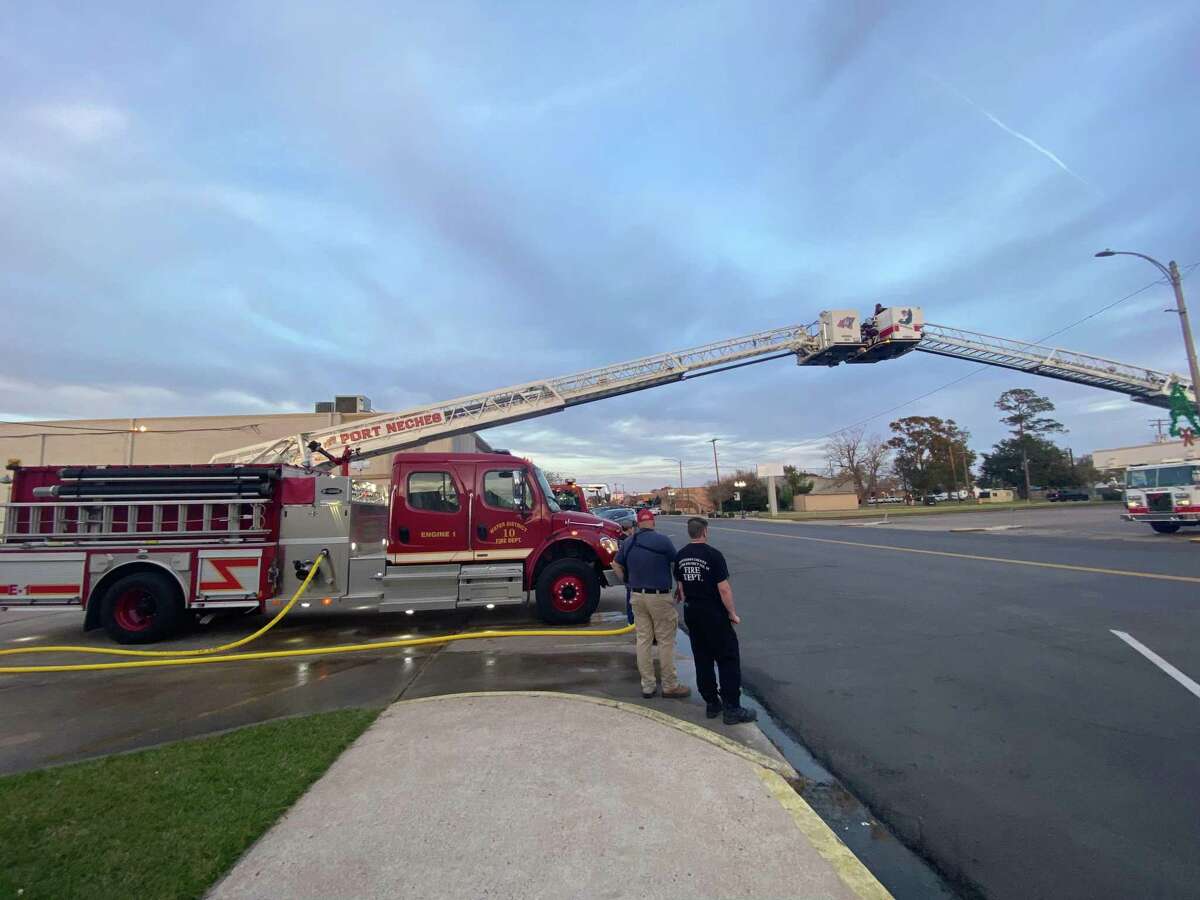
[644,563]
[703,582]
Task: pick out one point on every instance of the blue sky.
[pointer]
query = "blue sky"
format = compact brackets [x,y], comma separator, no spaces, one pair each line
[248,207]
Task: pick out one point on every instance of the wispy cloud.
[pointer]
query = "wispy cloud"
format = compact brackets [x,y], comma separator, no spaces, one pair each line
[560,99]
[82,122]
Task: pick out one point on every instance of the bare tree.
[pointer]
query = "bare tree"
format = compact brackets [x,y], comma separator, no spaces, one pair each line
[875,453]
[856,457]
[844,453]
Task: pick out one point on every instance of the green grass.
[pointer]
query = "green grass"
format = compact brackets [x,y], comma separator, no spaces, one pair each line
[894,510]
[166,822]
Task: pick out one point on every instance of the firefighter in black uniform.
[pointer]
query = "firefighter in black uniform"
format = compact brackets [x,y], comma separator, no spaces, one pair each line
[703,579]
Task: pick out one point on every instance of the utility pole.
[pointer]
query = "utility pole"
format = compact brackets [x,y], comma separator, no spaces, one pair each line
[1158,425]
[680,461]
[953,469]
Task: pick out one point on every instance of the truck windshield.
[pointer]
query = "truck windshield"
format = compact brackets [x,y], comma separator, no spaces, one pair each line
[547,492]
[1167,476]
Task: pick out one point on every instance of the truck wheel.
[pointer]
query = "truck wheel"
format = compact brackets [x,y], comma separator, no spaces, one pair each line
[1164,527]
[568,592]
[142,608]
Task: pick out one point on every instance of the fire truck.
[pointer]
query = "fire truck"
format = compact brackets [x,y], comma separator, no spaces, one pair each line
[140,549]
[570,496]
[1166,495]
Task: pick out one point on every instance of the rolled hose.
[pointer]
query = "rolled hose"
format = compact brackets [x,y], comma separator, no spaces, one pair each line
[209,655]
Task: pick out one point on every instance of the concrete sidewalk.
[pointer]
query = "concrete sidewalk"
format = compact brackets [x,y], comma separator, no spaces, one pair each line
[548,795]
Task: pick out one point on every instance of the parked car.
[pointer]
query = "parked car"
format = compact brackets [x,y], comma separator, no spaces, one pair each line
[1064,494]
[622,515]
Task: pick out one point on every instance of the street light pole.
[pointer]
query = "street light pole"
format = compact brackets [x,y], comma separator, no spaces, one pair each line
[680,461]
[1171,272]
[741,500]
[716,468]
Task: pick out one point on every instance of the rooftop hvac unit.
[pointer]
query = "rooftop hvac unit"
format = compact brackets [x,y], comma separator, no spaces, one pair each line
[351,403]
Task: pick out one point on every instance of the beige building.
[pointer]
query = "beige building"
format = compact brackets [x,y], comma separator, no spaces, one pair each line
[187,439]
[1142,454]
[825,501]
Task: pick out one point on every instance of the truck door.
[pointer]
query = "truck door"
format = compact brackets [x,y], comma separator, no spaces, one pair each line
[430,507]
[509,519]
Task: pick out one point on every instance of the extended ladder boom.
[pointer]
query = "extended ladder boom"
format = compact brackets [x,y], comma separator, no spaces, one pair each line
[837,336]
[817,343]
[1139,383]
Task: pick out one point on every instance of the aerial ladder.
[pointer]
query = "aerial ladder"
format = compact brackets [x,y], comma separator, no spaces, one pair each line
[833,338]
[1137,382]
[837,336]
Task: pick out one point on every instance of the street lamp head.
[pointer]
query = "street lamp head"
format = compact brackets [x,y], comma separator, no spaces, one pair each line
[1106,252]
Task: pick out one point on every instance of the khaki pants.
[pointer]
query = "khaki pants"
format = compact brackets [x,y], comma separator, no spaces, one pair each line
[655,617]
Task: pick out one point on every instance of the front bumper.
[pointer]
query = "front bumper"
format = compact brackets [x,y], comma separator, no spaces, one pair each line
[1177,518]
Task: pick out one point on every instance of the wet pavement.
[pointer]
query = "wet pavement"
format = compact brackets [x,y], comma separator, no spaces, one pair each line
[49,719]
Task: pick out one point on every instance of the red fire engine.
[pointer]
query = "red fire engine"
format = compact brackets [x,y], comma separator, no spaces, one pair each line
[138,547]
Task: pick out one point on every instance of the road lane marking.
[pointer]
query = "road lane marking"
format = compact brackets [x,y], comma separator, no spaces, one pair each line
[1158,661]
[1188,579]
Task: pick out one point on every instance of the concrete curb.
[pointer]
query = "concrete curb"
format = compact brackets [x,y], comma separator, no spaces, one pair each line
[774,775]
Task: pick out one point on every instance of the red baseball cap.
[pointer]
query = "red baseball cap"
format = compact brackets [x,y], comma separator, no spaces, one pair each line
[644,515]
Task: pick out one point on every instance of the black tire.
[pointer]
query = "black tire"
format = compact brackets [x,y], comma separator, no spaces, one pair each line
[568,592]
[142,608]
[1164,527]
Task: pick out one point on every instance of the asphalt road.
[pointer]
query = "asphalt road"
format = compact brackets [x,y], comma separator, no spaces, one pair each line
[979,703]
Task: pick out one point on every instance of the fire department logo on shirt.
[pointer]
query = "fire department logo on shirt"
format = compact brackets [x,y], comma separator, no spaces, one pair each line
[692,569]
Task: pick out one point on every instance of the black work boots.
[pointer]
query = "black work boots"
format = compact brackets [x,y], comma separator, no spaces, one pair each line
[738,714]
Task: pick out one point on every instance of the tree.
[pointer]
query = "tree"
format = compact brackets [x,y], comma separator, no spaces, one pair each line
[1045,464]
[1025,408]
[930,453]
[796,480]
[854,457]
[754,494]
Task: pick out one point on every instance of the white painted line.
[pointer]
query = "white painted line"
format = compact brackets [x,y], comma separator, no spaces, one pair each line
[1159,661]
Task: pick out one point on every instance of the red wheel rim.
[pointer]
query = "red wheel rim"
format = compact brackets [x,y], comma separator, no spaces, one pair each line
[568,593]
[134,610]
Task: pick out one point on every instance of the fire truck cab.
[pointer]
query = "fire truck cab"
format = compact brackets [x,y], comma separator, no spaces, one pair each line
[142,548]
[1166,495]
[570,496]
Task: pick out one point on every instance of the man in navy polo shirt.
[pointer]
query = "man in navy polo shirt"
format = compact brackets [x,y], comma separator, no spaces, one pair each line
[644,563]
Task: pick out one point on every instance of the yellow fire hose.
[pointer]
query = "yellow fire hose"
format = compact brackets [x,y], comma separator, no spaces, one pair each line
[217,654]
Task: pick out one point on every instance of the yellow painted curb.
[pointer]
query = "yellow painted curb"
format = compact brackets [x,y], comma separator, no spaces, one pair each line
[698,731]
[853,873]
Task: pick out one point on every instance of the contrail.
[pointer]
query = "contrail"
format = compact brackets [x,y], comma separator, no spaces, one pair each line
[1018,135]
[1030,141]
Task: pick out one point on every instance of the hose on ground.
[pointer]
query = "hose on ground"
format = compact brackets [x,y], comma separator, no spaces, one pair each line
[212,655]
